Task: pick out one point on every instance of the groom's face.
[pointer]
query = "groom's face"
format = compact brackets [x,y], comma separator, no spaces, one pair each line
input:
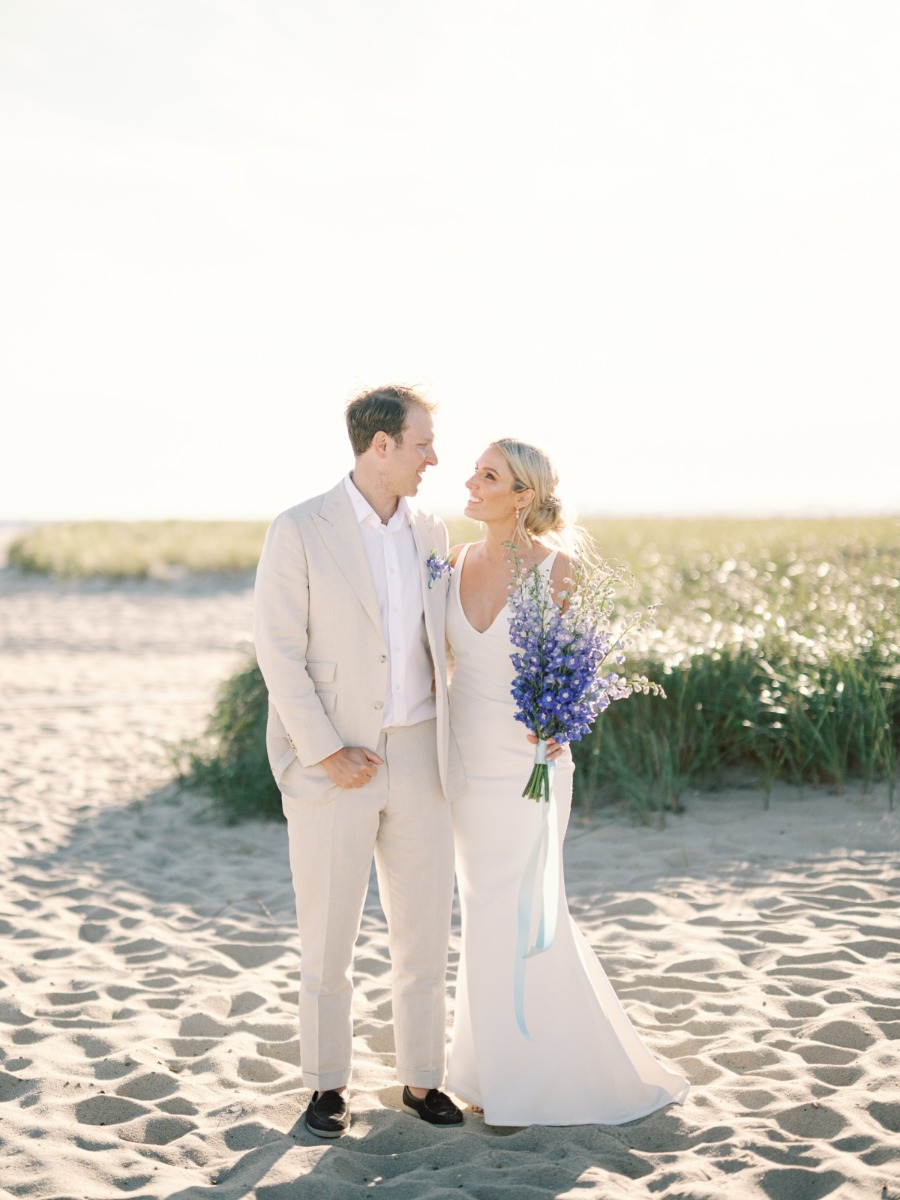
[407,462]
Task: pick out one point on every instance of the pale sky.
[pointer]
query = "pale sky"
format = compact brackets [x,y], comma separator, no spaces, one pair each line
[659,238]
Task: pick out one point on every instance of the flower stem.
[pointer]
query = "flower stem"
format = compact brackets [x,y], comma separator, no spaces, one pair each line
[538,785]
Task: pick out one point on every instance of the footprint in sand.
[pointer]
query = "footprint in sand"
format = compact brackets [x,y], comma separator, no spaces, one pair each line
[28,1037]
[258,1070]
[755,1098]
[199,1025]
[249,1135]
[163,1003]
[93,1047]
[803,1008]
[178,1107]
[12,1087]
[157,1131]
[90,931]
[815,1121]
[245,1003]
[818,1052]
[142,950]
[111,1068]
[251,957]
[838,1077]
[153,1086]
[886,1113]
[844,1033]
[190,1047]
[274,1032]
[107,1110]
[799,1183]
[11,1014]
[286,1052]
[379,1038]
[745,1062]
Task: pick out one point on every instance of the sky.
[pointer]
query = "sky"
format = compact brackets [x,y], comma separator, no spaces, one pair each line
[657,238]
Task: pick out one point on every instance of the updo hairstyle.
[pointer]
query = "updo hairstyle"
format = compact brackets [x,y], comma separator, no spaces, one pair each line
[531,468]
[544,517]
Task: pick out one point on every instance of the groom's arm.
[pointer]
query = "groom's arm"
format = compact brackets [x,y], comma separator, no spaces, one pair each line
[281,633]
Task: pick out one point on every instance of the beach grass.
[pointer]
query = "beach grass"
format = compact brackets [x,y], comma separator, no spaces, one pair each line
[777,643]
[138,549]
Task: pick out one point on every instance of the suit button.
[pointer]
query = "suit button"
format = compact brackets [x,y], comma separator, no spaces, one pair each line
[379,704]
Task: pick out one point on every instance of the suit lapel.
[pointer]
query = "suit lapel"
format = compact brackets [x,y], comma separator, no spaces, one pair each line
[422,527]
[339,528]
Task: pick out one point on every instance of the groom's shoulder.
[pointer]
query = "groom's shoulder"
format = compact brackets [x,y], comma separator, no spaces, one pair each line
[314,506]
[424,519]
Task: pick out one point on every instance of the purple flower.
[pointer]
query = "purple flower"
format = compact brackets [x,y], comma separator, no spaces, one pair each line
[437,567]
[558,655]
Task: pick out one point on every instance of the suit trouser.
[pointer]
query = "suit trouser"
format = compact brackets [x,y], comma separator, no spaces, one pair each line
[402,818]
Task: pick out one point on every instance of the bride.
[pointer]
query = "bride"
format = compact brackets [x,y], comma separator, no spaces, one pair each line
[579,1060]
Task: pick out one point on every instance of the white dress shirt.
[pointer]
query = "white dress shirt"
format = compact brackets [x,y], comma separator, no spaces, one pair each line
[397,575]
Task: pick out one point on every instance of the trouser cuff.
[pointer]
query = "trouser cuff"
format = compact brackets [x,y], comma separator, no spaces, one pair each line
[421,1079]
[329,1081]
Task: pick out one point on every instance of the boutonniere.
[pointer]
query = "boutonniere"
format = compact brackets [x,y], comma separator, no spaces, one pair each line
[437,567]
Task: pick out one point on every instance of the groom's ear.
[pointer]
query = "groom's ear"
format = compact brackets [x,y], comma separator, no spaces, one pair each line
[379,443]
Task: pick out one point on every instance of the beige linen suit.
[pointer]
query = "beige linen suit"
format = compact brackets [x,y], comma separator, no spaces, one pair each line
[321,649]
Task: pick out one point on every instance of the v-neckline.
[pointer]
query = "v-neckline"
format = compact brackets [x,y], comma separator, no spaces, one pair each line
[487,628]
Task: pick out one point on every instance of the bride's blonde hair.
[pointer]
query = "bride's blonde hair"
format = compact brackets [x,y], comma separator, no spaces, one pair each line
[544,517]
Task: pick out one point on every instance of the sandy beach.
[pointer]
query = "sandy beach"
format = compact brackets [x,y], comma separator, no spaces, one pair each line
[148,1039]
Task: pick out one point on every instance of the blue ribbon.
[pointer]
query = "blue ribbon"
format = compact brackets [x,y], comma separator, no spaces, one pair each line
[546,847]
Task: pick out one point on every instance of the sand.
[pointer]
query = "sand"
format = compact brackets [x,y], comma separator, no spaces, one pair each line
[148,1039]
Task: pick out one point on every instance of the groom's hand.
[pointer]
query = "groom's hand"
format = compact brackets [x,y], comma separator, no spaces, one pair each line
[351,766]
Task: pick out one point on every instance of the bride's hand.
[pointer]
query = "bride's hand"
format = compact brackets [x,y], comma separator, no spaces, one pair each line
[554,749]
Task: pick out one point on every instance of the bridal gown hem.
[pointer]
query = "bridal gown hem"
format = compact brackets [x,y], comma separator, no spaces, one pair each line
[584,1062]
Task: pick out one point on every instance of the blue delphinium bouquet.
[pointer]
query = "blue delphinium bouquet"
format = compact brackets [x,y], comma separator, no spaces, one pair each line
[561,648]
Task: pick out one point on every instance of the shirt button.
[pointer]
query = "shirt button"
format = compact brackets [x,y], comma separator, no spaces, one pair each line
[384,658]
[379,704]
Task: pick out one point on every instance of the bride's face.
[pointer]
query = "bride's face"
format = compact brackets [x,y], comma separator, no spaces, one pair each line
[491,495]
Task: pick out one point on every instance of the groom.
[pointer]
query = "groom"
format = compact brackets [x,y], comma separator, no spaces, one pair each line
[350,641]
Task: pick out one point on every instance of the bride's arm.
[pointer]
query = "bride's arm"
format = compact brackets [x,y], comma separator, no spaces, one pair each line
[448,649]
[562,576]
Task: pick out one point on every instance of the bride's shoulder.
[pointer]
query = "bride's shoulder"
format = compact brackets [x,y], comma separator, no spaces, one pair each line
[456,551]
[563,570]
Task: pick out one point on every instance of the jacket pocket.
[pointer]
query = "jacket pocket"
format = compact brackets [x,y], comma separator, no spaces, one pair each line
[321,672]
[281,764]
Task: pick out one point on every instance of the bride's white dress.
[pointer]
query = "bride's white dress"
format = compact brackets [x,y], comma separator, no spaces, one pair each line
[585,1063]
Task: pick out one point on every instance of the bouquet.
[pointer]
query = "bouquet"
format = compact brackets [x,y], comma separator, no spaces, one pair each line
[561,647]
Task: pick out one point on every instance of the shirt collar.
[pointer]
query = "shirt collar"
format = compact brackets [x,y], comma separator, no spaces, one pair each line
[366,513]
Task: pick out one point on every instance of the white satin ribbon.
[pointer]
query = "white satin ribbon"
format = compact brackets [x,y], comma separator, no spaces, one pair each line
[541,878]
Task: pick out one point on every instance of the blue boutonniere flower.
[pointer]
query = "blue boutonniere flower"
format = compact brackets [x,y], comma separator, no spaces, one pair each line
[437,567]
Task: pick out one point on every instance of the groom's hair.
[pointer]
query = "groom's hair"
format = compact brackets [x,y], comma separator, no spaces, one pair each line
[382,410]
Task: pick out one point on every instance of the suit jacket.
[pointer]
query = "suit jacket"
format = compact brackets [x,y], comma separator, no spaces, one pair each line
[320,643]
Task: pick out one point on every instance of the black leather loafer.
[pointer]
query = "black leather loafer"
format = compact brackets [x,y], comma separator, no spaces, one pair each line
[328,1115]
[436,1108]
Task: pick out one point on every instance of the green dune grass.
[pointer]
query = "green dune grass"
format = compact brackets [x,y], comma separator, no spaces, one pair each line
[138,549]
[777,642]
